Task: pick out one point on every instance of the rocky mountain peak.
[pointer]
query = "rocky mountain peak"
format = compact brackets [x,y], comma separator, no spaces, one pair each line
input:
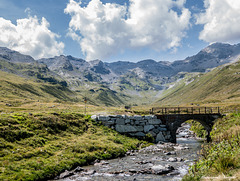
[147,61]
[98,66]
[57,62]
[14,56]
[212,56]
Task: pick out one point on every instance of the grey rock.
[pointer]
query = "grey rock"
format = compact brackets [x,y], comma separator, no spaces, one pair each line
[160,137]
[159,169]
[143,162]
[120,121]
[131,122]
[162,129]
[90,172]
[101,163]
[180,159]
[78,169]
[173,173]
[138,118]
[138,134]
[147,128]
[128,128]
[66,174]
[171,153]
[137,123]
[172,159]
[103,118]
[151,117]
[94,117]
[163,126]
[155,121]
[108,123]
[139,128]
[127,121]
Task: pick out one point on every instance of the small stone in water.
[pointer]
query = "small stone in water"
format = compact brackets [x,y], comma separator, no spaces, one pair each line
[132,171]
[171,153]
[78,169]
[90,172]
[172,160]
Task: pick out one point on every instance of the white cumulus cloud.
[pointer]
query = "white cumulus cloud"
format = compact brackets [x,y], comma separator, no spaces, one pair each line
[30,36]
[221,21]
[104,29]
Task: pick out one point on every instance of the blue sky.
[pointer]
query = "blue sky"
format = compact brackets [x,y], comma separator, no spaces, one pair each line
[113,30]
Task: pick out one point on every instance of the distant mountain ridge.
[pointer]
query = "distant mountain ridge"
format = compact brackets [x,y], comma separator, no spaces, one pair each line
[123,81]
[14,56]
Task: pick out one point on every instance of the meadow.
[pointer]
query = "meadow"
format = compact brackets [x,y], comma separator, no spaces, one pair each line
[39,146]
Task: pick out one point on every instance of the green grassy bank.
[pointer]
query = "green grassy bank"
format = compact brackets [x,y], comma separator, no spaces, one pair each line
[220,160]
[40,146]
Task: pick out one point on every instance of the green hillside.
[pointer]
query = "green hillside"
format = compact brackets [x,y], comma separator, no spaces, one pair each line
[34,81]
[222,84]
[16,89]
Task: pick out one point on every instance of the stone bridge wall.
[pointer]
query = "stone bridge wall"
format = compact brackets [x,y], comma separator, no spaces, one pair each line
[137,126]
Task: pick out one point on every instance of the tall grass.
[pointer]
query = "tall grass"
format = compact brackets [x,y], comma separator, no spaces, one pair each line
[222,156]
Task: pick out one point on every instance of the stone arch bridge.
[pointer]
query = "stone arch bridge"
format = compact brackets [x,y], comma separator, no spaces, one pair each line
[163,122]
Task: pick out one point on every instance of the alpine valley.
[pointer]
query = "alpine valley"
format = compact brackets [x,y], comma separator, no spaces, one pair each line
[212,75]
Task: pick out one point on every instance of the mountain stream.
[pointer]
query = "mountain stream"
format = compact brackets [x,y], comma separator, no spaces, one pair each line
[162,161]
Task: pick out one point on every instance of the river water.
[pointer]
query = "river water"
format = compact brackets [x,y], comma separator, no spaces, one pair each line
[162,161]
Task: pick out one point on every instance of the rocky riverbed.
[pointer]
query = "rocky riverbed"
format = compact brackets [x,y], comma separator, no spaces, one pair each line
[162,161]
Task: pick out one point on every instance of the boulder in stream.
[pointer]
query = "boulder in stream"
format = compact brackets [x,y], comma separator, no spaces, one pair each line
[159,169]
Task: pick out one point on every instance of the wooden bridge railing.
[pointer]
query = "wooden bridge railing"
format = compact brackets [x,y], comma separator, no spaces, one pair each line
[185,110]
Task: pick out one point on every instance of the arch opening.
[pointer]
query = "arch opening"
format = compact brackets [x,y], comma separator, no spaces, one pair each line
[184,131]
[200,128]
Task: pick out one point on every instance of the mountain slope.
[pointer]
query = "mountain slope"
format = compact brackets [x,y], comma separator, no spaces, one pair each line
[17,89]
[212,56]
[38,81]
[220,84]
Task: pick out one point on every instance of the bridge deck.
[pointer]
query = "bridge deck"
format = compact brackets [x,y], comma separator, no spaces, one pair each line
[185,110]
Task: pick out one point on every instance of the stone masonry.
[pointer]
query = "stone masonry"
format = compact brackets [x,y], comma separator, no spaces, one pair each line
[136,126]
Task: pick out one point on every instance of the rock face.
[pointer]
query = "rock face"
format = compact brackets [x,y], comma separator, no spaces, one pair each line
[137,126]
[15,57]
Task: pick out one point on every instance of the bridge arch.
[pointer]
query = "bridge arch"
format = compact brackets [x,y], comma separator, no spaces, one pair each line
[178,124]
[174,121]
